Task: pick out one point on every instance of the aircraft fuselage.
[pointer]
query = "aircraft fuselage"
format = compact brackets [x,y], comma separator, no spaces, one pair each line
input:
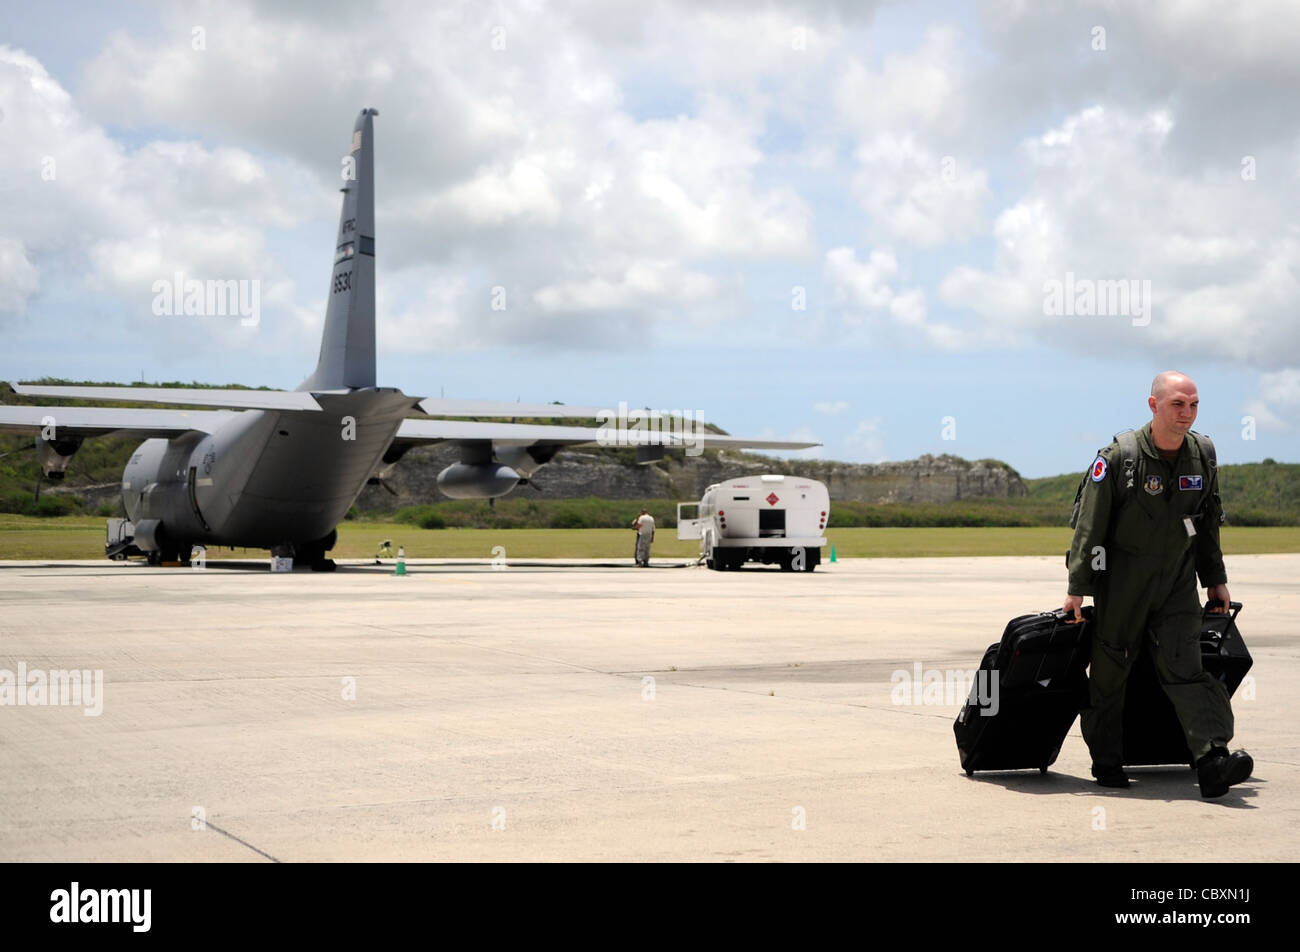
[263,478]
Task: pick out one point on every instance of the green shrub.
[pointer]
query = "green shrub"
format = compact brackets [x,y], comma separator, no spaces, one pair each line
[431,520]
[57,506]
[568,519]
[18,503]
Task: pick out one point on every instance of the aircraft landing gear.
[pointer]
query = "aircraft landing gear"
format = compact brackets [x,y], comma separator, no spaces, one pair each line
[313,554]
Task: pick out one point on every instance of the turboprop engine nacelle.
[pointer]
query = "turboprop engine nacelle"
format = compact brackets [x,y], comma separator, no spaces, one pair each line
[477,480]
[55,455]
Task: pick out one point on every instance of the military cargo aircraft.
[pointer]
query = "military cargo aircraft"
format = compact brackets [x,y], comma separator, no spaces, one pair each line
[279,469]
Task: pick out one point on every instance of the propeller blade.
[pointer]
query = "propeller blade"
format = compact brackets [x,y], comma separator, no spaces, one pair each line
[381,481]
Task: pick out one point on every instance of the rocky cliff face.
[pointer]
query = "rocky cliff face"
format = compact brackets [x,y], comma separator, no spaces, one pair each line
[603,473]
[609,474]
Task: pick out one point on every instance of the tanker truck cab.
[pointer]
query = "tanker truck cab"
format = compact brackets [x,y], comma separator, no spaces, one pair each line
[771,519]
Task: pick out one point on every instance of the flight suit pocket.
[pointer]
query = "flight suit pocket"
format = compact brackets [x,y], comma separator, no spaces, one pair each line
[1132,529]
[1182,654]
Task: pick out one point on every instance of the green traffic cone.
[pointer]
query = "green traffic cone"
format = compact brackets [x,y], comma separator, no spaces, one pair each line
[832,553]
[401,561]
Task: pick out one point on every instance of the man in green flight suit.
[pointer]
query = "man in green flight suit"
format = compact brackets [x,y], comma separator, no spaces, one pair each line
[1147,525]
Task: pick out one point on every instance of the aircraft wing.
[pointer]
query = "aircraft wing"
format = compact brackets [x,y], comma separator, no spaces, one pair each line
[103,421]
[523,434]
[295,400]
[303,400]
[233,399]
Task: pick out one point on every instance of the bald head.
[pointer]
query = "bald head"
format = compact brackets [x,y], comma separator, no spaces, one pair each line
[1170,378]
[1174,403]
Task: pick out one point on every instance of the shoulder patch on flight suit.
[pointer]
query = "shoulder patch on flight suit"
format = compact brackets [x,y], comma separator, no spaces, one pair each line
[1154,484]
[1099,470]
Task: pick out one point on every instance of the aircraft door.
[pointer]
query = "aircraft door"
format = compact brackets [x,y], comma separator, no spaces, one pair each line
[191,488]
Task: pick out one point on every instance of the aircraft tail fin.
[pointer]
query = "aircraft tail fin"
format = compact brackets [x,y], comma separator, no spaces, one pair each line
[347,350]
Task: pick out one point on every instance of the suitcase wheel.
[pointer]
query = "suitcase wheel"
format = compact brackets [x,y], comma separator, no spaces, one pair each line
[1042,770]
[969,772]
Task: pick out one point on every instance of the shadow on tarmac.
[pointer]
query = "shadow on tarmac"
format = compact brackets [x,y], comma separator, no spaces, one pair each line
[1169,784]
[385,568]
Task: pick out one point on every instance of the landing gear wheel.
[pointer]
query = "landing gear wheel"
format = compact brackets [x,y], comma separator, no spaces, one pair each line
[323,565]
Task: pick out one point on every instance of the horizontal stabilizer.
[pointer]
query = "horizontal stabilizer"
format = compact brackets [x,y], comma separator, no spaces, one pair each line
[62,422]
[233,399]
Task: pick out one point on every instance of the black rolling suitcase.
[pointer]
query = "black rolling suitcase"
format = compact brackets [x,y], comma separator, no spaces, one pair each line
[1152,733]
[1040,671]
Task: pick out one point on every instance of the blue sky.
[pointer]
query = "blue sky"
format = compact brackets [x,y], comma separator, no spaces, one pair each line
[654,188]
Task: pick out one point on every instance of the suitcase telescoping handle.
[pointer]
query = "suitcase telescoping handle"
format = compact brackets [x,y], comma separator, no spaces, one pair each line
[1063,616]
[1234,608]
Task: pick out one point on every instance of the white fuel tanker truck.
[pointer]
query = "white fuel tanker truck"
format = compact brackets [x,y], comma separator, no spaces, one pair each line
[770,519]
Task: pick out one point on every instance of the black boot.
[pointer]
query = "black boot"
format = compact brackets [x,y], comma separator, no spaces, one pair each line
[1218,770]
[1110,776]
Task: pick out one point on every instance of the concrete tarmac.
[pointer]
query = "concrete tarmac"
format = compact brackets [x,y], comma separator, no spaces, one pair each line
[582,712]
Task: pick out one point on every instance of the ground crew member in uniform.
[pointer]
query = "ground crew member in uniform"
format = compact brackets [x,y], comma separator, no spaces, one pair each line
[644,524]
[1147,525]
